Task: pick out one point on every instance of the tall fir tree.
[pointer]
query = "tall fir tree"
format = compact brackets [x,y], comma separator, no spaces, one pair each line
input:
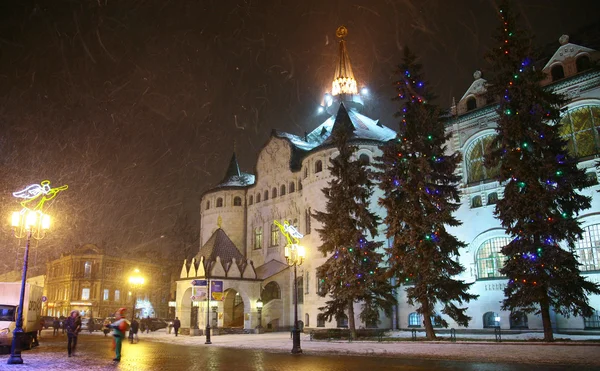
[352,273]
[419,183]
[541,182]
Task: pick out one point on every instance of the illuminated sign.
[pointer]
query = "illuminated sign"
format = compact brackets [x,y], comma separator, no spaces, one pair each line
[35,195]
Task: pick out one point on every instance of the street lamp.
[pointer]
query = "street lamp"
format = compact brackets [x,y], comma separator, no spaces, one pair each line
[136,281]
[294,255]
[25,224]
[208,300]
[259,306]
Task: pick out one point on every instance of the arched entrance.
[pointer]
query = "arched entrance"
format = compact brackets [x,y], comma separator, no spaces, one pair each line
[233,309]
[184,308]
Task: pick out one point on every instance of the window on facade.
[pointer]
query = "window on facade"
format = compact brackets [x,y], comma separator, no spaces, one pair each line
[270,292]
[364,159]
[258,238]
[295,223]
[474,160]
[592,322]
[87,269]
[471,104]
[476,202]
[105,294]
[282,190]
[117,295]
[85,294]
[320,320]
[518,320]
[292,187]
[588,248]
[219,202]
[492,198]
[237,201]
[489,259]
[318,166]
[306,172]
[307,220]
[591,177]
[557,72]
[266,197]
[250,200]
[300,289]
[342,320]
[307,286]
[207,205]
[257,197]
[274,192]
[274,235]
[580,127]
[320,285]
[491,320]
[306,320]
[414,320]
[583,63]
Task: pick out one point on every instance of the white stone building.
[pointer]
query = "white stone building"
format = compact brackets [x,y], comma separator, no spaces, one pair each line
[244,249]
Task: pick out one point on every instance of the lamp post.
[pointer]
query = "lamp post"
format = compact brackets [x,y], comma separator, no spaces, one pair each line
[136,281]
[25,224]
[213,306]
[259,306]
[208,297]
[294,255]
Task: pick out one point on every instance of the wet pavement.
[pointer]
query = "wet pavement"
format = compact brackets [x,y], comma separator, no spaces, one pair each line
[172,353]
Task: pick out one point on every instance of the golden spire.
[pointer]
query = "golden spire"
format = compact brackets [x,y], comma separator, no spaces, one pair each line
[343,80]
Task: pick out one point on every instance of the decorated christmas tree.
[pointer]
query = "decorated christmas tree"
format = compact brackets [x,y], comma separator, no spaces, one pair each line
[352,273]
[417,176]
[541,200]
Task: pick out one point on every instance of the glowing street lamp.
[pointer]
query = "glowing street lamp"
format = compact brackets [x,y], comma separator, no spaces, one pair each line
[259,306]
[25,223]
[136,281]
[294,255]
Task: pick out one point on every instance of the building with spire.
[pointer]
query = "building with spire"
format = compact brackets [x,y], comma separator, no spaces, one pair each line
[242,250]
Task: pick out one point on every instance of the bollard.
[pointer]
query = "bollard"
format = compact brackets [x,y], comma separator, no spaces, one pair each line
[498,334]
[453,335]
[414,334]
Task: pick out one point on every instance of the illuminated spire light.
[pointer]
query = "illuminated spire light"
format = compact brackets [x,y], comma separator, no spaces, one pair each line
[343,80]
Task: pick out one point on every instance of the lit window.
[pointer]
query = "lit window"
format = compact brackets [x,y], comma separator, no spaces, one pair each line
[491,320]
[274,235]
[489,259]
[592,322]
[258,238]
[580,127]
[588,248]
[117,295]
[87,270]
[85,294]
[476,171]
[414,320]
[105,295]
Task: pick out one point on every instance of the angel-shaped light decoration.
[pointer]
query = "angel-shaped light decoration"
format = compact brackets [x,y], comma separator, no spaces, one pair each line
[290,232]
[35,195]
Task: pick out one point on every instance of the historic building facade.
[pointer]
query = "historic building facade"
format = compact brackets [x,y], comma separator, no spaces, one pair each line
[97,285]
[243,250]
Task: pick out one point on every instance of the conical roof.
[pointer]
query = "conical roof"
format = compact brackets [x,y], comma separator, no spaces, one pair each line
[234,177]
[219,244]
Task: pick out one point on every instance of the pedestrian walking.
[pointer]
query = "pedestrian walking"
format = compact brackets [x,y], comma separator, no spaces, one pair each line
[147,324]
[119,327]
[133,331]
[176,325]
[55,326]
[73,327]
[105,327]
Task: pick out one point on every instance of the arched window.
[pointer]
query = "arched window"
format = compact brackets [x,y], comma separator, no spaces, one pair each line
[250,200]
[492,198]
[237,201]
[592,322]
[489,259]
[471,104]
[414,320]
[282,190]
[292,187]
[219,202]
[207,205]
[588,248]
[266,195]
[557,72]
[274,192]
[271,292]
[274,235]
[306,320]
[257,197]
[580,127]
[491,320]
[342,320]
[518,320]
[306,172]
[258,238]
[364,159]
[87,269]
[318,166]
[476,202]
[474,160]
[583,63]
[320,320]
[300,289]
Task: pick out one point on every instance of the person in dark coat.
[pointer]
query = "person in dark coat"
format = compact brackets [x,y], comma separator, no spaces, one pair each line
[55,326]
[176,325]
[133,330]
[73,327]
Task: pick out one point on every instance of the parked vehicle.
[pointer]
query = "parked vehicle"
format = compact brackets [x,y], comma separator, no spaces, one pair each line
[10,293]
[156,324]
[48,321]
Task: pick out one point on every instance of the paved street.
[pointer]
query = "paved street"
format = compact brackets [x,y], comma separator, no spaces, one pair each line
[159,351]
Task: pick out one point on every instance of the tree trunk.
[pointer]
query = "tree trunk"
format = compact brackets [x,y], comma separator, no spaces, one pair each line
[427,321]
[545,309]
[351,324]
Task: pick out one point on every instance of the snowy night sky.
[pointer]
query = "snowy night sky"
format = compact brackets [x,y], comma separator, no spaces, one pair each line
[135,104]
